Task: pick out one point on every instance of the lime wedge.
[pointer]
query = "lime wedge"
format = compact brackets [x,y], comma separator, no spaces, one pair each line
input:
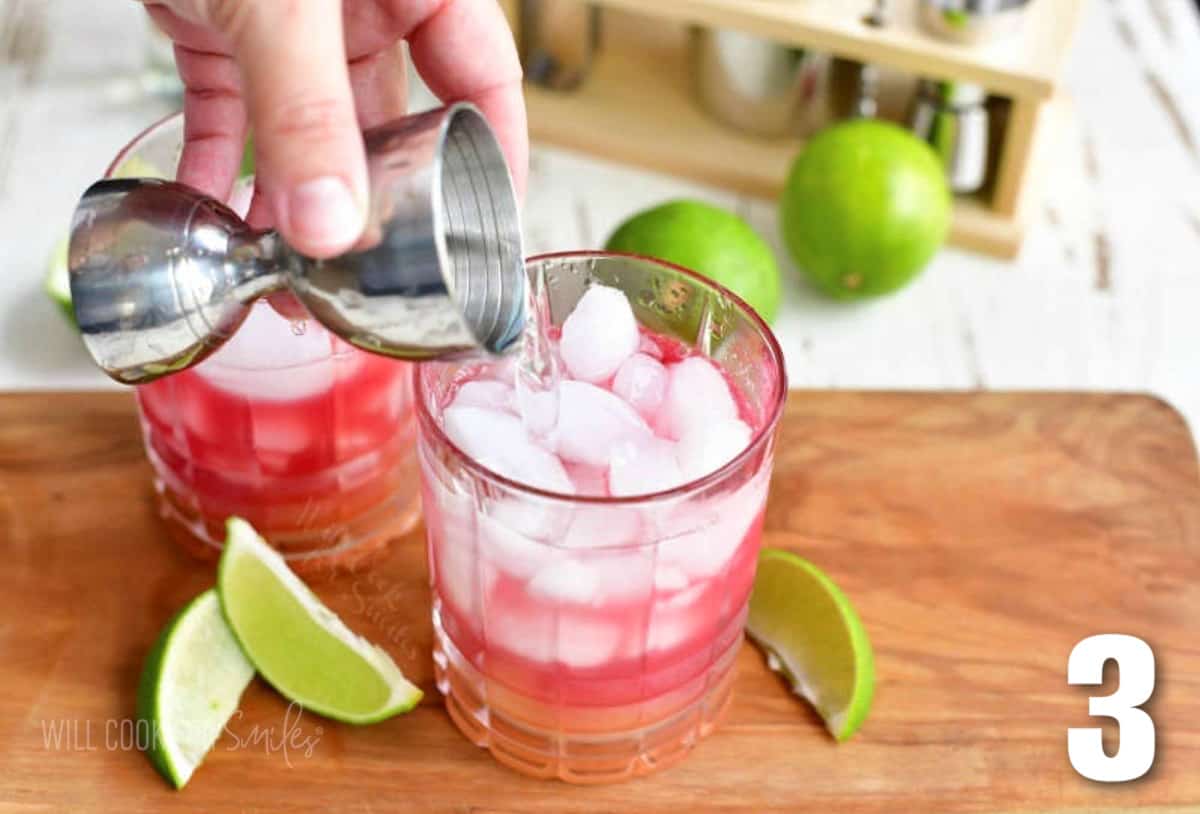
[191,684]
[812,636]
[137,167]
[300,646]
[247,165]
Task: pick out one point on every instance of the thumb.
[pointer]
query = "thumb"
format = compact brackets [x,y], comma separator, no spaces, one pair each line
[308,148]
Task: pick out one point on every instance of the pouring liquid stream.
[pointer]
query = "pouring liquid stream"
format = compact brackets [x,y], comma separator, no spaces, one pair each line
[537,365]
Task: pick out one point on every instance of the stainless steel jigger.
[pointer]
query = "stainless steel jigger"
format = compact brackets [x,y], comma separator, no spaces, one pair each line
[162,275]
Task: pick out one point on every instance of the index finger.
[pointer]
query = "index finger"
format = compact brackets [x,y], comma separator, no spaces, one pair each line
[465,52]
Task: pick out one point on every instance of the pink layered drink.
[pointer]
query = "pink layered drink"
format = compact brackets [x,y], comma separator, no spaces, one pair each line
[287,426]
[591,572]
[309,439]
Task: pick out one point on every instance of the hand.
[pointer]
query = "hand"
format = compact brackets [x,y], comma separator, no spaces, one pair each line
[306,76]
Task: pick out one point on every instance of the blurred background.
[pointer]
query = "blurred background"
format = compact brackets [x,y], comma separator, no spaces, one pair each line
[1068,133]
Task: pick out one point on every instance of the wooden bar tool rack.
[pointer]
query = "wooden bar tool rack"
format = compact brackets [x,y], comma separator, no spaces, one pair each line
[636,102]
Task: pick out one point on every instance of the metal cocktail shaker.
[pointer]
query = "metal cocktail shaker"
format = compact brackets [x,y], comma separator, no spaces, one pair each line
[162,275]
[953,118]
[754,84]
[558,41]
[972,22]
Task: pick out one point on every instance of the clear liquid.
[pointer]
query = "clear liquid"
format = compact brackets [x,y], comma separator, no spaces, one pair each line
[537,368]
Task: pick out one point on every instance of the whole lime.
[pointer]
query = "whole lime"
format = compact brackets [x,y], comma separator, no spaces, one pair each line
[865,207]
[708,240]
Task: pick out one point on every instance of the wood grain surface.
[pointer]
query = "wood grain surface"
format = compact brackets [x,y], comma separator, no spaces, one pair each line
[980,535]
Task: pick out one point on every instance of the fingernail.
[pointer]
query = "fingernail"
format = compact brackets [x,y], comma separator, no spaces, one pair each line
[324,214]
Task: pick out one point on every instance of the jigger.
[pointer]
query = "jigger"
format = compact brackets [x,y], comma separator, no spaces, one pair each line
[161,275]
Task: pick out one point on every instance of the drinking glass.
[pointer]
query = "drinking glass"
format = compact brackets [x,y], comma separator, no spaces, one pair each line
[287,426]
[593,639]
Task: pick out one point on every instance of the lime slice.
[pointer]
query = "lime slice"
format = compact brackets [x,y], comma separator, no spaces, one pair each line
[191,684]
[812,635]
[300,646]
[58,279]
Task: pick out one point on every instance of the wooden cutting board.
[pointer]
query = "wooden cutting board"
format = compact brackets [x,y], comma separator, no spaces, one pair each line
[980,535]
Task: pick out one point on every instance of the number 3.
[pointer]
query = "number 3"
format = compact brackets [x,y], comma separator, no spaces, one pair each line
[1135,749]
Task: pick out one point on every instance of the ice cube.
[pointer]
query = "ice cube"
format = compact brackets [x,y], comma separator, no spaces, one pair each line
[533,465]
[379,399]
[683,599]
[589,480]
[201,416]
[451,513]
[517,629]
[642,466]
[484,393]
[537,407]
[596,578]
[623,575]
[722,543]
[479,431]
[511,551]
[692,552]
[697,395]
[267,360]
[600,526]
[566,580]
[706,448]
[715,532]
[587,642]
[668,579]
[283,431]
[599,334]
[450,520]
[649,347]
[591,421]
[642,381]
[670,628]
[538,519]
[499,441]
[456,576]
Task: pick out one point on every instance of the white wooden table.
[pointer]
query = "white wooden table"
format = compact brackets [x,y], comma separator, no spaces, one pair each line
[1105,294]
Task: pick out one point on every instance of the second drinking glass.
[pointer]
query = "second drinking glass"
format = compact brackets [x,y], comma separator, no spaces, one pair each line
[578,634]
[286,425]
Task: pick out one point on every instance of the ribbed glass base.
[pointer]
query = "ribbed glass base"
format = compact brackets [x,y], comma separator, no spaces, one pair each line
[572,744]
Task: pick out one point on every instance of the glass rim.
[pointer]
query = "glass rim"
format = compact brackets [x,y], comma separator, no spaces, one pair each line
[146,132]
[762,434]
